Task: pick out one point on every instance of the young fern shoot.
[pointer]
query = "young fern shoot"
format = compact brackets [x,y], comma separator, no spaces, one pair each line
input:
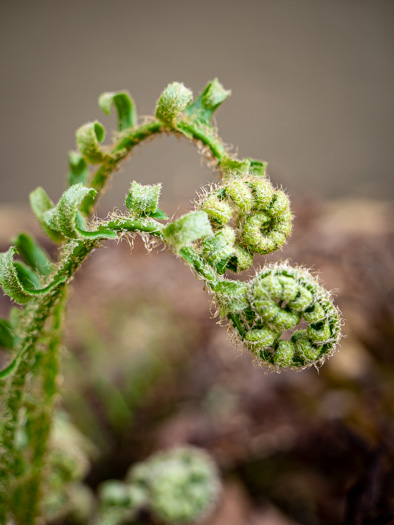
[242,215]
[178,486]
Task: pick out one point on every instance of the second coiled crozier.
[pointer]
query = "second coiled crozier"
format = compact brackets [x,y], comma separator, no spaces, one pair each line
[249,216]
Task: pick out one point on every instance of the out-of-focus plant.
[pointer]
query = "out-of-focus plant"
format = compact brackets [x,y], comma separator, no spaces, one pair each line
[235,219]
[177,487]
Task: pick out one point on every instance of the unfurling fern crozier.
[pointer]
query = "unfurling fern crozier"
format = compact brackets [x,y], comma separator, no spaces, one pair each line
[283,316]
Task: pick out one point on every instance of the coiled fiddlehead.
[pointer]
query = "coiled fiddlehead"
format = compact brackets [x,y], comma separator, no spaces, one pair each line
[278,299]
[242,216]
[249,216]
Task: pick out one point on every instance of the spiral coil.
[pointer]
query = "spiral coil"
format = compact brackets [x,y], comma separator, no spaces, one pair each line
[280,299]
[249,216]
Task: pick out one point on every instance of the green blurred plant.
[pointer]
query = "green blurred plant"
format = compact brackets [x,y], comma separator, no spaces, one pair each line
[239,217]
[177,487]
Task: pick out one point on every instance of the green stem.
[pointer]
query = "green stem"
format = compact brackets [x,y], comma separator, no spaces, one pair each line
[121,149]
[203,269]
[192,131]
[74,253]
[41,420]
[38,312]
[134,225]
[211,278]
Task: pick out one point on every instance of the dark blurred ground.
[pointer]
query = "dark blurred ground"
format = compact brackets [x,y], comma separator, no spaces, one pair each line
[147,367]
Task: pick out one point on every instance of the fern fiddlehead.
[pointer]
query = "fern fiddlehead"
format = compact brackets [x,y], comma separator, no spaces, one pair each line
[275,301]
[179,486]
[249,216]
[241,216]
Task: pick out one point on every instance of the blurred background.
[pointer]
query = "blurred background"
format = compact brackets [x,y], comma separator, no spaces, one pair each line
[312,86]
[146,365]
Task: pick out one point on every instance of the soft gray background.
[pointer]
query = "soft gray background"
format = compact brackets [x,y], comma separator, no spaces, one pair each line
[312,82]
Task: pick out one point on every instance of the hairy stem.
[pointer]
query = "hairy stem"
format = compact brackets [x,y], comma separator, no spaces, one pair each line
[190,256]
[190,130]
[41,419]
[71,257]
[124,146]
[118,152]
[39,311]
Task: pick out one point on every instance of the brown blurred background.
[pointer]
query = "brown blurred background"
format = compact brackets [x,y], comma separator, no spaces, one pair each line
[146,366]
